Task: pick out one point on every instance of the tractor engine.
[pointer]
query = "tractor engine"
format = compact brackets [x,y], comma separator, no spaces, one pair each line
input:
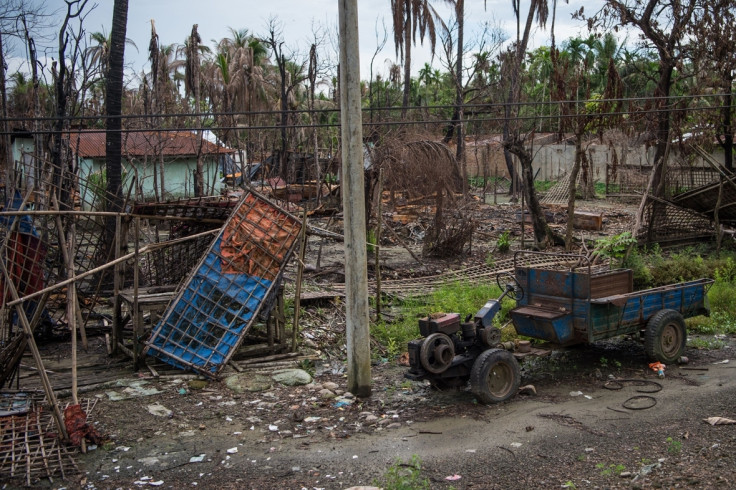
[451,352]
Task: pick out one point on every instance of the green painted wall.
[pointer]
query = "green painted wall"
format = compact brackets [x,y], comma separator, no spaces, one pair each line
[178,179]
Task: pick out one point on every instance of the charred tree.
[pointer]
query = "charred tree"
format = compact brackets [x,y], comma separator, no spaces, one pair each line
[113,123]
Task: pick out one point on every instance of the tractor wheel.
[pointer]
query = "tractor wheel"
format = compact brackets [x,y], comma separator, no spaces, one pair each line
[665,336]
[495,376]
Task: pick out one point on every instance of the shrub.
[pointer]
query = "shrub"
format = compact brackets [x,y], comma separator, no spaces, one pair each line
[404,476]
[679,267]
[503,244]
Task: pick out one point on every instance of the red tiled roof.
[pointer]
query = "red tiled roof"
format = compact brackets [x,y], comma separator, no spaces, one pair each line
[91,144]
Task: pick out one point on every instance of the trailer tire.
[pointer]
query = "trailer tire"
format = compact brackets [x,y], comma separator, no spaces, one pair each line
[665,336]
[495,376]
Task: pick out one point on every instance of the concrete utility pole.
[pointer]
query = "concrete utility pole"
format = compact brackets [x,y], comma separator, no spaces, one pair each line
[353,200]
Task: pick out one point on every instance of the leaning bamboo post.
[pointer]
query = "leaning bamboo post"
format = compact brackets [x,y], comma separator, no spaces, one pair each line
[48,389]
[117,328]
[137,327]
[23,342]
[379,211]
[495,184]
[523,220]
[403,244]
[716,218]
[71,310]
[68,251]
[299,274]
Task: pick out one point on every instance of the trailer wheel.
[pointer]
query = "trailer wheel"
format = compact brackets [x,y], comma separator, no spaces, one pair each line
[495,376]
[665,336]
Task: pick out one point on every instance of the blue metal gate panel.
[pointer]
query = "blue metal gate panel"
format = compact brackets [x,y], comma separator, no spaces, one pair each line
[207,320]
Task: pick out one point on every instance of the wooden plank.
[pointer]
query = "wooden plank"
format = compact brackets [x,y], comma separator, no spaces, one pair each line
[583,220]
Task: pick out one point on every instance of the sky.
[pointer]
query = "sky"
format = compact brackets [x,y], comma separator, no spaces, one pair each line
[298,18]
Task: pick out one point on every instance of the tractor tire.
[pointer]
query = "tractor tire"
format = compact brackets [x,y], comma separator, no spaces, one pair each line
[495,376]
[665,336]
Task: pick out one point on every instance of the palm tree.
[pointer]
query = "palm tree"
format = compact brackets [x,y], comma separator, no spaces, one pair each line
[98,54]
[193,48]
[425,78]
[113,105]
[410,16]
[21,95]
[239,70]
[513,141]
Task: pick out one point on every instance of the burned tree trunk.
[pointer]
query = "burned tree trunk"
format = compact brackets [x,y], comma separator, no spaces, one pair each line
[543,236]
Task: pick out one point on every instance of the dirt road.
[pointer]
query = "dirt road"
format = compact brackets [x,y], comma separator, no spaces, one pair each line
[575,432]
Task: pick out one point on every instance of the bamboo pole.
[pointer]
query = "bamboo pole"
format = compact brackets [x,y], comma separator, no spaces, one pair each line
[716,219]
[523,220]
[299,275]
[67,251]
[148,248]
[137,327]
[71,309]
[117,328]
[50,396]
[378,244]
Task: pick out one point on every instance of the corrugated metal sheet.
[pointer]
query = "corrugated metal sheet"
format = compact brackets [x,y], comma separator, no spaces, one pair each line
[91,144]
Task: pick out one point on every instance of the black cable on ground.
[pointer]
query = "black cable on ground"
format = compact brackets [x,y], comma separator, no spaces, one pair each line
[617,384]
[628,405]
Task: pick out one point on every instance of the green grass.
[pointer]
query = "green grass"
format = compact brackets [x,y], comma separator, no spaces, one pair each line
[451,298]
[611,469]
[674,447]
[543,185]
[404,476]
[705,343]
[654,267]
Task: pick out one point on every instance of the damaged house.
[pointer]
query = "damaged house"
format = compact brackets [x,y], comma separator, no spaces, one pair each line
[156,165]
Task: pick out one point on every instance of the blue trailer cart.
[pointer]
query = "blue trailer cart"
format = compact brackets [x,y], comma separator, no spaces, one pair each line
[562,299]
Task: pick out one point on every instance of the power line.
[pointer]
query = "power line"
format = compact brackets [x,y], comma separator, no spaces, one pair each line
[495,105]
[640,114]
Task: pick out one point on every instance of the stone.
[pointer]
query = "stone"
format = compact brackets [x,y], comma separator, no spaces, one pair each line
[159,410]
[247,382]
[292,377]
[371,418]
[149,461]
[325,393]
[330,385]
[196,384]
[395,425]
[527,390]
